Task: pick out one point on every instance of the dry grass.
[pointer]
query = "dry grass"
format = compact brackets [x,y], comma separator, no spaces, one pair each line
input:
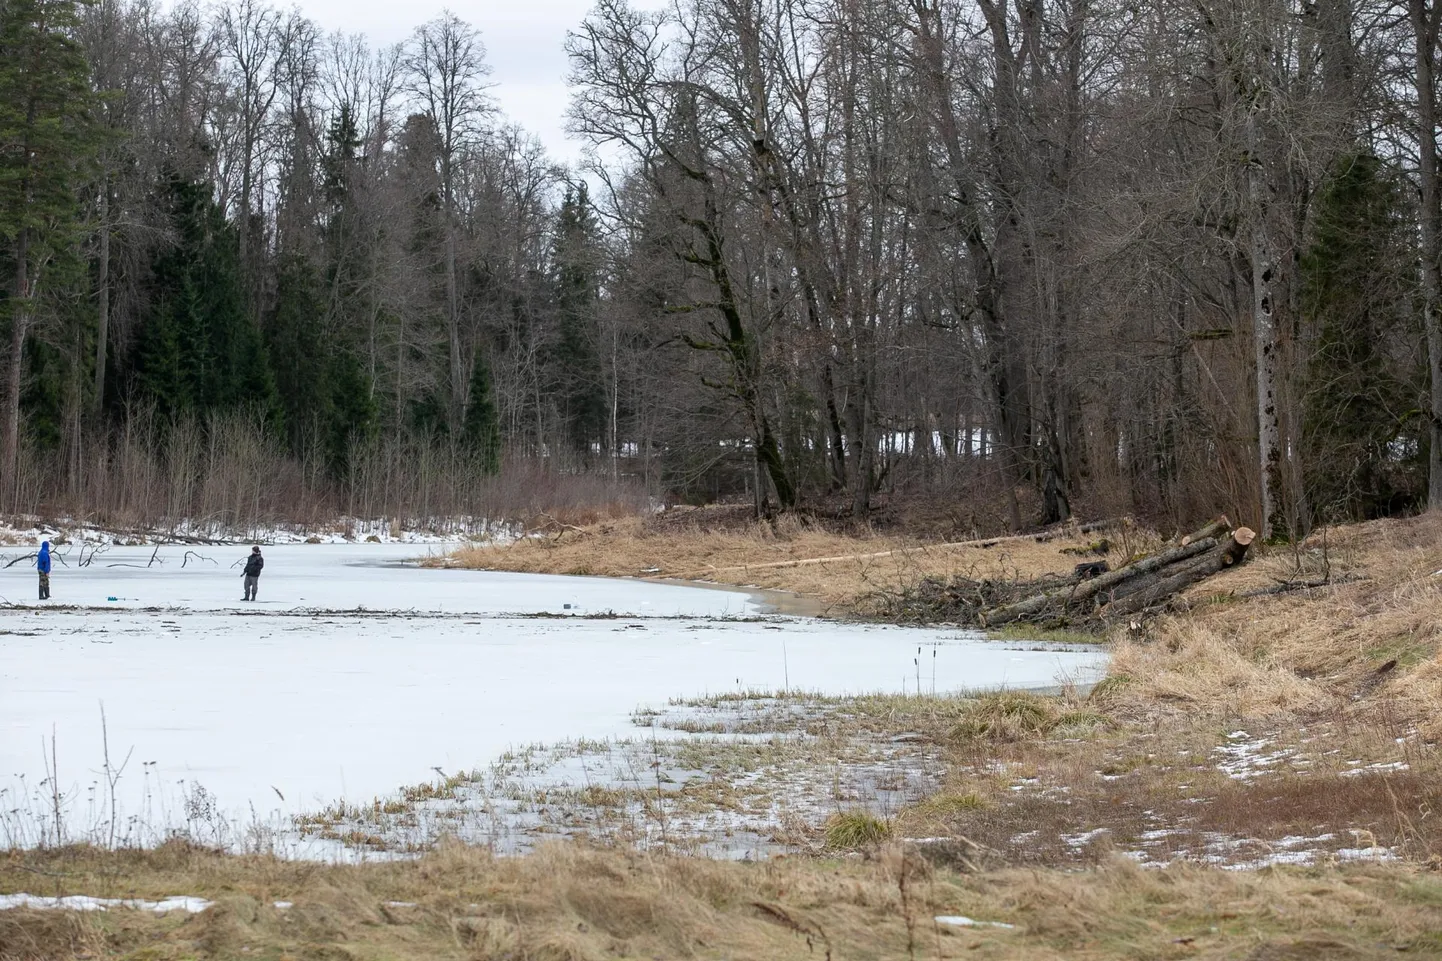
[574,902]
[1374,634]
[1243,727]
[1338,691]
[838,570]
[849,830]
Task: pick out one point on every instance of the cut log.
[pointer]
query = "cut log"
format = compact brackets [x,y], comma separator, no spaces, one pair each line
[1073,595]
[1215,528]
[1233,552]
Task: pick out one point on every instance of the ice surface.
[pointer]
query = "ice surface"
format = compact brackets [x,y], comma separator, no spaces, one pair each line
[376,577]
[280,707]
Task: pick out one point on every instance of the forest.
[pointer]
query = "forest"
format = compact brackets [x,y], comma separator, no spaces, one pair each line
[1032,260]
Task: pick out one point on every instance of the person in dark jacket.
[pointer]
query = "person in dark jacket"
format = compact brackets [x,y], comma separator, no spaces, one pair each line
[253,564]
[42,564]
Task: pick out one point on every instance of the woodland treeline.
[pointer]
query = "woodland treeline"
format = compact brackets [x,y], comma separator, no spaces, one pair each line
[1035,259]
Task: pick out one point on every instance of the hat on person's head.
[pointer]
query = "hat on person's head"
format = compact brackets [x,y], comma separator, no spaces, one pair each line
[255,549]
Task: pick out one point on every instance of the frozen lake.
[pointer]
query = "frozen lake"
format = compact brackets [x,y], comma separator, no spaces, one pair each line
[357,673]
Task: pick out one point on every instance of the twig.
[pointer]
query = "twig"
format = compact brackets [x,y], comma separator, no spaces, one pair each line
[112,774]
[805,927]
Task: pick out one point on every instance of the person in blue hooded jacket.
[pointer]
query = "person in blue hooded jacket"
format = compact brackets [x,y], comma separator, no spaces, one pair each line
[42,564]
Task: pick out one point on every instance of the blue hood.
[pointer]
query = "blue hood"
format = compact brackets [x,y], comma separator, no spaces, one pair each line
[45,550]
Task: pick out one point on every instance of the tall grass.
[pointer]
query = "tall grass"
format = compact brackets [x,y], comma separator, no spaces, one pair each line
[231,472]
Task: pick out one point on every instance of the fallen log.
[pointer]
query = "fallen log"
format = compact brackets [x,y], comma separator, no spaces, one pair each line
[1229,554]
[1216,528]
[1074,594]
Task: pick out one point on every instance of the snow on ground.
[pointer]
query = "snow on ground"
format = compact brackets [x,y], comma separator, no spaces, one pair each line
[30,531]
[82,902]
[358,673]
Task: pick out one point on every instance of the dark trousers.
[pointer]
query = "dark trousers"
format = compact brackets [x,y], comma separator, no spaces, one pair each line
[44,586]
[252,584]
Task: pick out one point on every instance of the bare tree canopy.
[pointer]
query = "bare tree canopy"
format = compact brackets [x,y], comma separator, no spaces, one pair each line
[1024,260]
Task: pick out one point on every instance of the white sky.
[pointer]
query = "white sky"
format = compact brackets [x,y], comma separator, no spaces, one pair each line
[524,45]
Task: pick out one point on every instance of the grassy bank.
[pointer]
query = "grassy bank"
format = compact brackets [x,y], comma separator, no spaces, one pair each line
[571,902]
[1257,778]
[842,571]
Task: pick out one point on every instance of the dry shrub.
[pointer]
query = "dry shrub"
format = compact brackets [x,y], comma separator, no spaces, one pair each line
[1198,667]
[230,473]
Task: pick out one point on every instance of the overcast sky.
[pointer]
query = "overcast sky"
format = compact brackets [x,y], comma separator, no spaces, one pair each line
[524,45]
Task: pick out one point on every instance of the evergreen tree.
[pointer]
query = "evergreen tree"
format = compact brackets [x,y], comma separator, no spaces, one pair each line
[43,397]
[48,143]
[353,411]
[482,428]
[575,278]
[298,347]
[1355,293]
[199,350]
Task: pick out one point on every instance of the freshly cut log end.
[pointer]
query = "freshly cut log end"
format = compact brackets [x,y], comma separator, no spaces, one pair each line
[1234,551]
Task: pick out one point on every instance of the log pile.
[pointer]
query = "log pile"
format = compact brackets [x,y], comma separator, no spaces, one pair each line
[1139,587]
[1092,596]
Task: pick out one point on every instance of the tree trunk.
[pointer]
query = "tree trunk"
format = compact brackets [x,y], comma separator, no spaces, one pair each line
[1214,528]
[1425,17]
[1264,324]
[14,372]
[102,330]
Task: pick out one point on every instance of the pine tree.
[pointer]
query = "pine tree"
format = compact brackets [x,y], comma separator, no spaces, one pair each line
[199,350]
[1354,292]
[48,144]
[299,348]
[482,428]
[575,278]
[353,411]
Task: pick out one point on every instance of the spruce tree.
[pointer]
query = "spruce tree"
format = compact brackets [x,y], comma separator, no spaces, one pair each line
[1355,291]
[199,351]
[576,283]
[48,144]
[353,410]
[299,349]
[482,428]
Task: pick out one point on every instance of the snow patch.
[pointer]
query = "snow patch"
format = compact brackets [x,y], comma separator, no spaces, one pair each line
[961,921]
[1078,841]
[81,902]
[1381,767]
